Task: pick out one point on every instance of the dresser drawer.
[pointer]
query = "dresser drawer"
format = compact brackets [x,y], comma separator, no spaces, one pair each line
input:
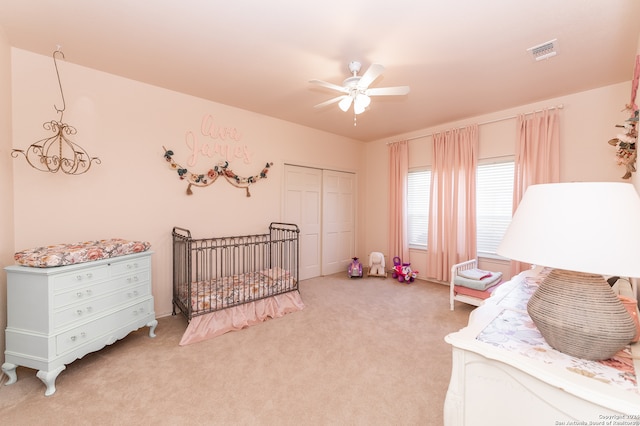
[132,278]
[90,308]
[79,277]
[103,327]
[130,265]
[90,292]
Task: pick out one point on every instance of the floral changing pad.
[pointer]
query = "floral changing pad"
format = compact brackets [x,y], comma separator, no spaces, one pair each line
[69,254]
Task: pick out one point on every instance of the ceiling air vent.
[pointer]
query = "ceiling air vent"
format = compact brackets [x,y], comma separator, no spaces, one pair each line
[544,50]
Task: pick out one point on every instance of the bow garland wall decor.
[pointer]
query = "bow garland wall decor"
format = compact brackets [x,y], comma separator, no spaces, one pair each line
[625,143]
[626,153]
[212,175]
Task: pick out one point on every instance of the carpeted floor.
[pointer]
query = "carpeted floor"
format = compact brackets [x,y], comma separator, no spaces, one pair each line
[364,351]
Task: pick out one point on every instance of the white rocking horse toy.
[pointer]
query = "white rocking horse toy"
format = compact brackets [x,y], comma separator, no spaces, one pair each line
[376,265]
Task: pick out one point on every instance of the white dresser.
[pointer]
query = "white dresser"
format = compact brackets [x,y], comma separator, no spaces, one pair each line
[57,315]
[504,373]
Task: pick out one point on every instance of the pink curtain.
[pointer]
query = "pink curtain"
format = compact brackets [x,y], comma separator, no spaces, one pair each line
[398,171]
[452,215]
[537,158]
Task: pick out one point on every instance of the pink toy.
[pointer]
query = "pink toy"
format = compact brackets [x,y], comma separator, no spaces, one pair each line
[403,272]
[355,268]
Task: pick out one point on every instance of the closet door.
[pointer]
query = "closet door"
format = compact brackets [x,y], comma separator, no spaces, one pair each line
[338,221]
[302,206]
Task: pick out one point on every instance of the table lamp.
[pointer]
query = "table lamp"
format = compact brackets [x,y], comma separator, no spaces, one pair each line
[584,231]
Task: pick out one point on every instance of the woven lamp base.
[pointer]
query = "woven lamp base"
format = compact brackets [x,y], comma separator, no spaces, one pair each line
[579,314]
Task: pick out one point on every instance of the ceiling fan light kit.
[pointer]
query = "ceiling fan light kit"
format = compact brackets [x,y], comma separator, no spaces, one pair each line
[360,103]
[355,89]
[345,103]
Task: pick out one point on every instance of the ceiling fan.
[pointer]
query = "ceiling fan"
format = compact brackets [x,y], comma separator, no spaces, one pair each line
[356,89]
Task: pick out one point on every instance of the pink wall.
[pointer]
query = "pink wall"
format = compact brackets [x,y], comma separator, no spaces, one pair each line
[133,194]
[588,122]
[6,180]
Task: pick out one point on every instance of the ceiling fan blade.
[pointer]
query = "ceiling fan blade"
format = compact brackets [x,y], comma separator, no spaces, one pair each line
[370,75]
[387,91]
[330,86]
[330,101]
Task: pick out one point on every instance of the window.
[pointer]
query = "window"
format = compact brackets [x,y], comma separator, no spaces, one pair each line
[418,190]
[494,186]
[494,199]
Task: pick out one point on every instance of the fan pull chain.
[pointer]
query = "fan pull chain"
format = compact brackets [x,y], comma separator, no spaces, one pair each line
[355,119]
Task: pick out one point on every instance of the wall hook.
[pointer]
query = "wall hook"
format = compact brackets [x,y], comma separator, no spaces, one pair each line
[55,63]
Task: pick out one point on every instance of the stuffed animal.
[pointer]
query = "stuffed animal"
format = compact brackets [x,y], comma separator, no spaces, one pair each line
[376,264]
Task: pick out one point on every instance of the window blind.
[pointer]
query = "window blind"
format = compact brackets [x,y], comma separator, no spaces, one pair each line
[494,199]
[418,190]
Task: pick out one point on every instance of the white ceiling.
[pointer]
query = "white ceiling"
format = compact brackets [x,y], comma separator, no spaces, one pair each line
[461,58]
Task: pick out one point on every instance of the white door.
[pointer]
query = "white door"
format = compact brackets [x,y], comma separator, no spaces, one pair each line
[338,221]
[302,206]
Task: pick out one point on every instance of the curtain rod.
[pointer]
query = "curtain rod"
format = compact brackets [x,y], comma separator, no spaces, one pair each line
[484,122]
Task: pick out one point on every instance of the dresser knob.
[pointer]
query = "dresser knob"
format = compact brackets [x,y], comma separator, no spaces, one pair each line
[79,294]
[79,311]
[90,275]
[89,292]
[79,278]
[89,309]
[73,338]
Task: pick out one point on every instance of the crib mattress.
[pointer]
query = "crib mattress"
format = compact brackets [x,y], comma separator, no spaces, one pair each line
[219,293]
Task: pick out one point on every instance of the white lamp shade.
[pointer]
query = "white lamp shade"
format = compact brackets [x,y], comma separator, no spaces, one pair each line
[591,227]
